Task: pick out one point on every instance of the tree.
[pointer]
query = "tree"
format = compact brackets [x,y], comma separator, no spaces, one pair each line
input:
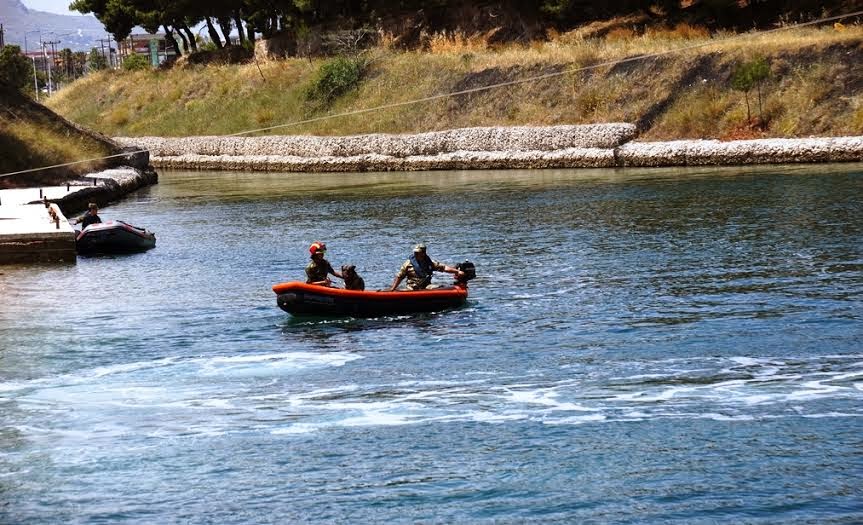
[118,16]
[96,60]
[67,58]
[15,69]
[748,75]
[79,59]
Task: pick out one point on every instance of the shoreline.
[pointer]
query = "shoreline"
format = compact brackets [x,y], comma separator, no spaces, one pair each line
[520,147]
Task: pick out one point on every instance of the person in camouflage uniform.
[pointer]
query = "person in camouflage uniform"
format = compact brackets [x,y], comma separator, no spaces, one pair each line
[319,268]
[419,269]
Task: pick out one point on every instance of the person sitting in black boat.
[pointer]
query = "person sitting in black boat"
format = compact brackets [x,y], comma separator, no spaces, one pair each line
[91,217]
[419,269]
[319,268]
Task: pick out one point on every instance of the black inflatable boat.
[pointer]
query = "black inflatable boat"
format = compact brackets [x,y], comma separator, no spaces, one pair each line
[114,237]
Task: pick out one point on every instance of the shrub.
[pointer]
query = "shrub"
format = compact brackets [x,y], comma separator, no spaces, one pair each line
[136,62]
[335,78]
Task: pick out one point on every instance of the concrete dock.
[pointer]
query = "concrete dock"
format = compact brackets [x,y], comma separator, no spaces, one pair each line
[34,232]
[30,231]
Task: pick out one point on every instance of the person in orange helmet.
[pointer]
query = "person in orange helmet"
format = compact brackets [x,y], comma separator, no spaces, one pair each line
[319,268]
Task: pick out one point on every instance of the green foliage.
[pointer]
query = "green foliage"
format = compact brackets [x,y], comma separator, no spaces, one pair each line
[15,69]
[335,78]
[748,74]
[96,61]
[136,63]
[304,6]
[118,16]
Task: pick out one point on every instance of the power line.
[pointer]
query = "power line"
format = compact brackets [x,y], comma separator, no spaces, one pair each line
[492,86]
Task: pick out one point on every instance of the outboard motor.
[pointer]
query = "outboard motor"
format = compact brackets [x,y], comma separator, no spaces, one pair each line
[468,272]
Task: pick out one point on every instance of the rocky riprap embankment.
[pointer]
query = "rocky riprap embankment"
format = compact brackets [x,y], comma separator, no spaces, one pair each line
[758,151]
[597,145]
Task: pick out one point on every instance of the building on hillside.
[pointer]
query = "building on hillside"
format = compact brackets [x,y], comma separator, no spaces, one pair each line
[39,59]
[154,47]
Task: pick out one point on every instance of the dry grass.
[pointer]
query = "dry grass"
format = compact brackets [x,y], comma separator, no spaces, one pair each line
[455,43]
[228,99]
[53,144]
[30,140]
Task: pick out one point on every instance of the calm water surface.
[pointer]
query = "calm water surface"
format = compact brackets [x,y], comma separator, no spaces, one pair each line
[640,347]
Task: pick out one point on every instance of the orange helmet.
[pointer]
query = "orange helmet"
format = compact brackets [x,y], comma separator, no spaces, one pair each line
[316,247]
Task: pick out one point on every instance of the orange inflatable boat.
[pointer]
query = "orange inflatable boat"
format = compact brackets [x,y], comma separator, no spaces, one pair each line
[298,298]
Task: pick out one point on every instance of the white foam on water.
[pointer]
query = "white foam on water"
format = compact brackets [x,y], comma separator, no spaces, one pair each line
[377,418]
[215,403]
[757,399]
[813,390]
[288,361]
[646,397]
[126,368]
[298,428]
[325,393]
[100,394]
[849,375]
[748,361]
[831,414]
[576,420]
[439,383]
[546,397]
[491,417]
[266,364]
[85,376]
[725,417]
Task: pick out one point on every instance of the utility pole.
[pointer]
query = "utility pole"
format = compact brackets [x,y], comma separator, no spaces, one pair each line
[103,44]
[2,41]
[54,52]
[35,82]
[50,82]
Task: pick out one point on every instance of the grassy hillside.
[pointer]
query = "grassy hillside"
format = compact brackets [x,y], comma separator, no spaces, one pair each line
[32,136]
[815,87]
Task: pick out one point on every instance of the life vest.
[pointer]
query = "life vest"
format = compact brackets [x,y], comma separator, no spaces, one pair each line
[423,271]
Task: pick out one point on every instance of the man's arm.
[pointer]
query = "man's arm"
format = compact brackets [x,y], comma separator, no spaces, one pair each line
[441,267]
[399,276]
